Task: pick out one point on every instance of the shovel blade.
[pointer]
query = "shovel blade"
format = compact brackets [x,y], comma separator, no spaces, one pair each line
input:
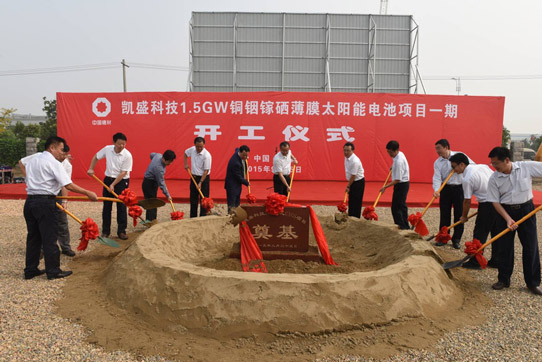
[456,263]
[109,242]
[151,203]
[238,215]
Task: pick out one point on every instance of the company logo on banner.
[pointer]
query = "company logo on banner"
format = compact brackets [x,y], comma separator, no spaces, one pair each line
[316,124]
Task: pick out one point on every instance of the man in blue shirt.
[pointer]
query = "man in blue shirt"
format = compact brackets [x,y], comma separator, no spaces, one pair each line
[154,178]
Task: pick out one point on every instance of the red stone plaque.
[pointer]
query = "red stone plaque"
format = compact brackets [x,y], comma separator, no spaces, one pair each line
[288,231]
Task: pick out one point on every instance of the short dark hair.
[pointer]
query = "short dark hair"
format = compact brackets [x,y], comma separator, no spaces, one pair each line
[66,148]
[502,153]
[199,139]
[54,140]
[459,158]
[284,144]
[349,144]
[119,136]
[244,148]
[169,155]
[443,142]
[392,145]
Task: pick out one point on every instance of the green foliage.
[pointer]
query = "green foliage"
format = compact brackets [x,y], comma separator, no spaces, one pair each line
[11,150]
[48,128]
[6,115]
[533,142]
[505,137]
[21,131]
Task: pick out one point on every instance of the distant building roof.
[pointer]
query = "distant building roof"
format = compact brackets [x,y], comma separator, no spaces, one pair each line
[27,119]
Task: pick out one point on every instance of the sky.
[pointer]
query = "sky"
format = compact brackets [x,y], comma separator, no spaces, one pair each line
[493,46]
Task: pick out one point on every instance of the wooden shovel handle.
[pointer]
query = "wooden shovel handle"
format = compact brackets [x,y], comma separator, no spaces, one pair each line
[194,180]
[380,193]
[248,176]
[86,198]
[459,222]
[69,213]
[291,183]
[508,229]
[345,197]
[173,207]
[104,185]
[439,190]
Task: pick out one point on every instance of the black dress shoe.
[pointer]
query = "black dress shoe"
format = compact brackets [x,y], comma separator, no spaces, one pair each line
[34,274]
[68,252]
[500,285]
[62,274]
[456,245]
[123,236]
[535,290]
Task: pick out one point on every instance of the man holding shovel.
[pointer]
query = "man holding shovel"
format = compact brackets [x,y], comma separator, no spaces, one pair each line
[200,161]
[45,176]
[282,166]
[475,181]
[235,176]
[154,178]
[400,176]
[451,194]
[117,176]
[356,180]
[510,190]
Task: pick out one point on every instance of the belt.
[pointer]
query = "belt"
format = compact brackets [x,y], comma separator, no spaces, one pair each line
[517,206]
[448,185]
[51,197]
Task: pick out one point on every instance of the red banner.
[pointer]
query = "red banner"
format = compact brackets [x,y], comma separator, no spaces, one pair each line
[316,124]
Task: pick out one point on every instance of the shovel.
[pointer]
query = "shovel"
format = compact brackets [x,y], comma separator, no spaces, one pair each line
[206,202]
[453,225]
[146,203]
[291,182]
[419,219]
[144,222]
[454,264]
[369,212]
[106,241]
[251,199]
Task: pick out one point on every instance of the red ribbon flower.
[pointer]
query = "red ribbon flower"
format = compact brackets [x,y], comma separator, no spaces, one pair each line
[343,206]
[274,204]
[443,235]
[416,219]
[471,248]
[128,197]
[207,203]
[89,231]
[177,215]
[251,199]
[369,213]
[135,211]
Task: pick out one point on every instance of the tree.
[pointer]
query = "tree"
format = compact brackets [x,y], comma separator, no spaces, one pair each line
[48,128]
[21,131]
[6,115]
[505,137]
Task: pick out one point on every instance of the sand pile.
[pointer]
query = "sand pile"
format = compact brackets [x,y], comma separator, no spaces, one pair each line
[166,278]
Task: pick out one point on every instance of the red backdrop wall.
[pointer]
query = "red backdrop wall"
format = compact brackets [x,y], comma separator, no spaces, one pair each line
[316,125]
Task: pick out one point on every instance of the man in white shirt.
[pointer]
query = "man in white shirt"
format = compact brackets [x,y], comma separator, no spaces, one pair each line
[355,176]
[400,180]
[45,176]
[282,166]
[117,176]
[200,162]
[452,193]
[475,181]
[511,192]
[63,227]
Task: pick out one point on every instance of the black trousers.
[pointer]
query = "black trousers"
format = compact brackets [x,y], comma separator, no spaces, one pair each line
[233,197]
[399,208]
[41,215]
[122,221]
[195,197]
[529,242]
[452,195]
[150,191]
[278,186]
[355,198]
[486,222]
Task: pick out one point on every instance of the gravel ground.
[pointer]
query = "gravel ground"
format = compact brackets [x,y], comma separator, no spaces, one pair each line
[31,331]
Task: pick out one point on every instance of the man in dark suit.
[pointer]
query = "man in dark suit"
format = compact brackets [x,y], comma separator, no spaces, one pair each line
[235,176]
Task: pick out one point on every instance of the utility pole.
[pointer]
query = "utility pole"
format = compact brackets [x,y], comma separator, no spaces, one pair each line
[124,66]
[457,84]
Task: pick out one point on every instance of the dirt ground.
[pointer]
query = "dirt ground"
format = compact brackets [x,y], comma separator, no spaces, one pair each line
[85,302]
